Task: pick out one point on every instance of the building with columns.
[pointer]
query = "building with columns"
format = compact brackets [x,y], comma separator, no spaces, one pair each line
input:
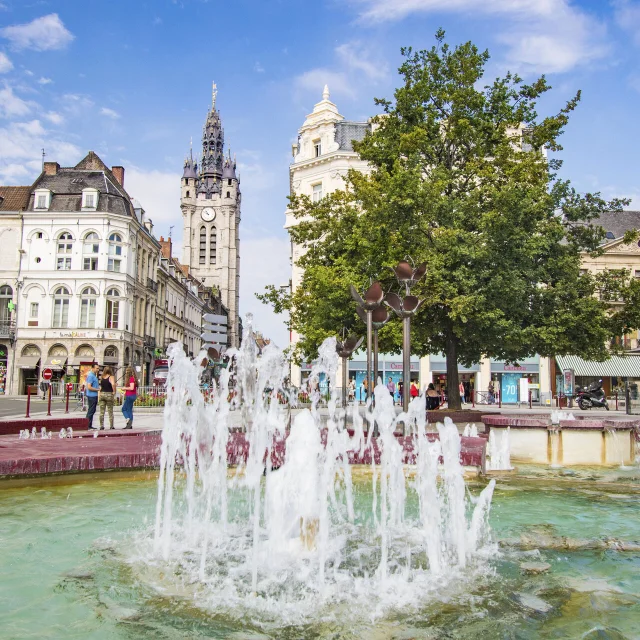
[210,202]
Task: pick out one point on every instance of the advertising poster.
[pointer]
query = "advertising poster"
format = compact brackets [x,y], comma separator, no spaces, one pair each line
[510,382]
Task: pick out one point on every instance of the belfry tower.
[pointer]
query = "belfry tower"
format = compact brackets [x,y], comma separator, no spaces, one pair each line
[210,202]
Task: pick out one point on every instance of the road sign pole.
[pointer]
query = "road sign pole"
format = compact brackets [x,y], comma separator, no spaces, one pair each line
[49,402]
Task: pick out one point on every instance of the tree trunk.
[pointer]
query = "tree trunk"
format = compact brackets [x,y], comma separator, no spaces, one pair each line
[453,392]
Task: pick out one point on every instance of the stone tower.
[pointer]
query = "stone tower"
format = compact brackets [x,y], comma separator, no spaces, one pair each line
[210,202]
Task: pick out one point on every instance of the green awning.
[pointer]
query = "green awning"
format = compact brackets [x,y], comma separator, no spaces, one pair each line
[616,366]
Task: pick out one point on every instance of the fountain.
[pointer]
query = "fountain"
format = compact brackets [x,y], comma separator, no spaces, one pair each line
[296,540]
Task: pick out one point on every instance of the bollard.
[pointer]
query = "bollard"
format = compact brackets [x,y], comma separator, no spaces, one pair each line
[66,407]
[616,400]
[530,403]
[473,399]
[28,400]
[500,399]
[49,403]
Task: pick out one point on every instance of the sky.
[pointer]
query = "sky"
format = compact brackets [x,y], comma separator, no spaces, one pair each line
[131,80]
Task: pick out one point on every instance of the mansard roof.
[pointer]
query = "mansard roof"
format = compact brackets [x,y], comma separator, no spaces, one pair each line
[618,223]
[14,198]
[68,183]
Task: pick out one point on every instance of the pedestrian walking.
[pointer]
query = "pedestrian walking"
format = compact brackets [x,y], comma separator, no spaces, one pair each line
[107,396]
[91,392]
[352,390]
[492,391]
[413,390]
[365,390]
[401,391]
[461,389]
[392,389]
[130,394]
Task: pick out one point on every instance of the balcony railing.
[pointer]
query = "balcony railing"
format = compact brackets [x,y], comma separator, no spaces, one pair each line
[7,329]
[150,341]
[152,284]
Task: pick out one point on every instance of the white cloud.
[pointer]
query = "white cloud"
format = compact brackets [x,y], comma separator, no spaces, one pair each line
[254,171]
[75,103]
[42,34]
[110,113]
[627,15]
[541,35]
[11,105]
[54,117]
[5,63]
[159,194]
[264,261]
[258,68]
[45,80]
[357,66]
[20,145]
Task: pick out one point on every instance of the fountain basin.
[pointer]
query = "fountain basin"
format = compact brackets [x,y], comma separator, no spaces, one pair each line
[586,442]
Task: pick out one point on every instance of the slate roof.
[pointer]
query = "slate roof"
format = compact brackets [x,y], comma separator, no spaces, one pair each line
[68,183]
[14,198]
[347,131]
[619,223]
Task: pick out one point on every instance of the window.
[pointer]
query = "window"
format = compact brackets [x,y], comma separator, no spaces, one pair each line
[39,235]
[228,194]
[212,246]
[33,311]
[89,198]
[113,309]
[90,264]
[6,303]
[317,148]
[203,245]
[64,248]
[88,300]
[187,193]
[42,199]
[228,182]
[637,273]
[317,192]
[61,308]
[115,253]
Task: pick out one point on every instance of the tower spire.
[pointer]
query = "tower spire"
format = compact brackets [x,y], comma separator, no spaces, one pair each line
[214,95]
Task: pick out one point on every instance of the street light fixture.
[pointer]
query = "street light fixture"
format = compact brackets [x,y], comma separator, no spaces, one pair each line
[405,308]
[372,299]
[345,349]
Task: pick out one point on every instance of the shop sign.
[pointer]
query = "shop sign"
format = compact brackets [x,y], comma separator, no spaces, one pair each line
[137,342]
[73,334]
[499,367]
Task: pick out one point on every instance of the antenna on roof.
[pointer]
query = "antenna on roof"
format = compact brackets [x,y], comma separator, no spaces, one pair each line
[171,229]
[43,155]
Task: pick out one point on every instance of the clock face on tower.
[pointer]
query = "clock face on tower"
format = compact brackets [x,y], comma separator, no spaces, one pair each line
[208,214]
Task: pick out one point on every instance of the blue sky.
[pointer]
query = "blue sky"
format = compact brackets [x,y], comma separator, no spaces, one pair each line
[132,81]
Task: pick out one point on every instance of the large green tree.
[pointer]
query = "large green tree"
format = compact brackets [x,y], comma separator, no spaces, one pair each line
[460,180]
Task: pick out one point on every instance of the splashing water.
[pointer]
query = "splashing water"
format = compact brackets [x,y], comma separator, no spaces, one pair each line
[280,535]
[499,450]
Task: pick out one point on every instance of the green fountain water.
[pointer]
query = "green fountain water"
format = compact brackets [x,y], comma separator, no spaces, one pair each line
[75,563]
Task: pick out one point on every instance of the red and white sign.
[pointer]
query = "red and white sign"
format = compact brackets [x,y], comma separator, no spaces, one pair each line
[69,386]
[47,374]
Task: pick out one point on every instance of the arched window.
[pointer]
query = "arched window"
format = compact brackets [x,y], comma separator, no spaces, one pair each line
[88,302]
[6,303]
[90,252]
[61,298]
[115,253]
[113,309]
[64,248]
[212,246]
[203,245]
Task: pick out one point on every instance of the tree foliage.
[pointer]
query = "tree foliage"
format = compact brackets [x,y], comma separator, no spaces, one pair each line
[460,179]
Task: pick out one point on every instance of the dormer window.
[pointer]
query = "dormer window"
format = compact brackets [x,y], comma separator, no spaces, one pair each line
[42,199]
[317,148]
[89,199]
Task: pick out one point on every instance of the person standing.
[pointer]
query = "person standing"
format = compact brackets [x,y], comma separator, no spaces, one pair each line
[413,390]
[401,391]
[461,389]
[352,390]
[392,389]
[130,394]
[91,392]
[433,399]
[107,396]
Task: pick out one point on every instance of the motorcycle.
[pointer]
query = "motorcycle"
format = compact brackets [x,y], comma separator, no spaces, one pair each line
[593,397]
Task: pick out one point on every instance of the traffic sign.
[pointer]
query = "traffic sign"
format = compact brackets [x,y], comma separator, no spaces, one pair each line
[211,336]
[214,318]
[47,374]
[69,386]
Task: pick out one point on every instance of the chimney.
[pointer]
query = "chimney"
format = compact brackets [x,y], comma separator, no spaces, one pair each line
[118,174]
[51,168]
[165,248]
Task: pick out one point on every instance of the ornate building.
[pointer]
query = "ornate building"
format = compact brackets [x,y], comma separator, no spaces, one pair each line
[210,203]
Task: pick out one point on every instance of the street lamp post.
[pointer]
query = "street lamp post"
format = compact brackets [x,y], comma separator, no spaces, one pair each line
[373,297]
[405,308]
